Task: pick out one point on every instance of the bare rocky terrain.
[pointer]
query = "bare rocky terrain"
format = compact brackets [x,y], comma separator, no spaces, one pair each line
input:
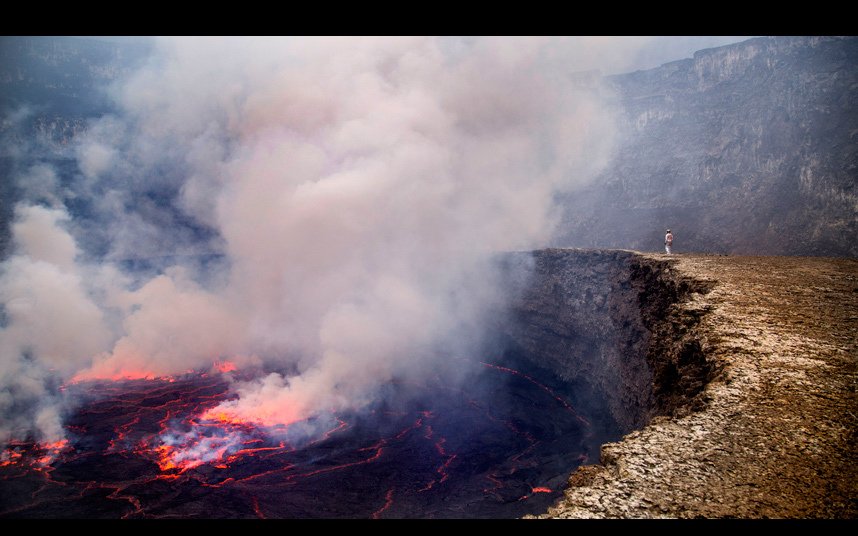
[746,149]
[773,434]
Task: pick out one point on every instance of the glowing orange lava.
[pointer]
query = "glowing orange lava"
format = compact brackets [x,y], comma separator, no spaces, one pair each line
[256,509]
[209,441]
[271,416]
[88,375]
[213,436]
[196,435]
[388,500]
[224,366]
[47,452]
[565,404]
[56,445]
[224,417]
[534,491]
[9,457]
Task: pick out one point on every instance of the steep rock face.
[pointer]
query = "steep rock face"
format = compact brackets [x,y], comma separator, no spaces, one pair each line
[608,320]
[775,433]
[746,148]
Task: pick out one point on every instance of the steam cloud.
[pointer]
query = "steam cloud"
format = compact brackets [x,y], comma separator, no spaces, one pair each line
[357,188]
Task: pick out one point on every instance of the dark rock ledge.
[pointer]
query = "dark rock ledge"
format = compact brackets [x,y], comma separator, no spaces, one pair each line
[751,410]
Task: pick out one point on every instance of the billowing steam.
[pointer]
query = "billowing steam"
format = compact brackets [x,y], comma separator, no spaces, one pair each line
[53,326]
[356,187]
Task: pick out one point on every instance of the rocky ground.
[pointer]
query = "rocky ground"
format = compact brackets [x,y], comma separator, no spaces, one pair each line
[774,434]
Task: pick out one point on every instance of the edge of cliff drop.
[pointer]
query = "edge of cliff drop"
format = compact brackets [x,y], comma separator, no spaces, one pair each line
[760,418]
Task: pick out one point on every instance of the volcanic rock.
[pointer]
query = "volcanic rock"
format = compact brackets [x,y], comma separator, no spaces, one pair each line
[773,434]
[747,148]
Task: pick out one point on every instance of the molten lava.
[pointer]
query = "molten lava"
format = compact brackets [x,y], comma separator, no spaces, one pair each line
[168,447]
[566,405]
[533,491]
[224,366]
[88,375]
[31,454]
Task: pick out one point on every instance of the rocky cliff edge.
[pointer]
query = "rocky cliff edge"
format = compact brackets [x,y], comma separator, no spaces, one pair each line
[773,434]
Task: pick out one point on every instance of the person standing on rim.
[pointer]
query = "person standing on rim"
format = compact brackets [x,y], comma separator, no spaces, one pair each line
[668,242]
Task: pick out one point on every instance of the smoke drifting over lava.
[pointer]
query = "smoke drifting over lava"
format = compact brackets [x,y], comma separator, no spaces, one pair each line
[356,189]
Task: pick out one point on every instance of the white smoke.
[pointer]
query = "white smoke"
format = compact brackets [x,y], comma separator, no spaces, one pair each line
[41,184]
[358,187]
[53,326]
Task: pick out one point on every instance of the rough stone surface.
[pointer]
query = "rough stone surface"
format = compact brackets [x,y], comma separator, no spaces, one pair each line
[596,318]
[774,433]
[747,148]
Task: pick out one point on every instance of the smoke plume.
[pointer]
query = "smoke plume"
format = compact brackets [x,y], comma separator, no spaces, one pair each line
[356,188]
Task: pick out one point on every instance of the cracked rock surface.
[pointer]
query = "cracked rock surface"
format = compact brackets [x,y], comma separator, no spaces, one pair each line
[773,434]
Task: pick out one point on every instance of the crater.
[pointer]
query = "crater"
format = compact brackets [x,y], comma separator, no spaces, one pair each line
[609,323]
[592,346]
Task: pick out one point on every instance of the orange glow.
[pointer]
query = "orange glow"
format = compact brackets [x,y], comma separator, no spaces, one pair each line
[217,438]
[88,375]
[261,417]
[11,457]
[535,490]
[46,452]
[388,500]
[224,366]
[257,509]
[223,417]
[170,458]
[56,445]
[565,404]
